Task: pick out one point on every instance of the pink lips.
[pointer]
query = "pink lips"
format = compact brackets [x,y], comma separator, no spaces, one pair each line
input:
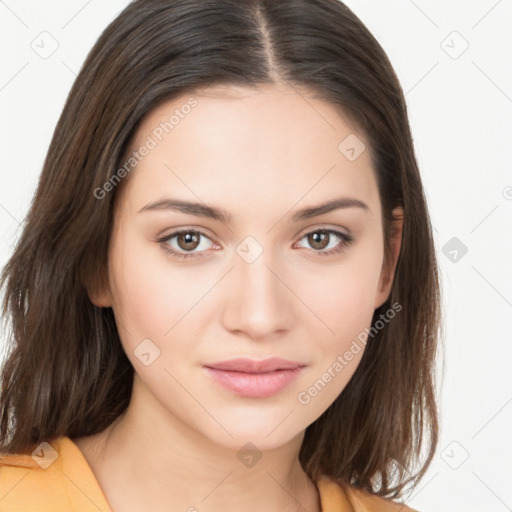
[255,379]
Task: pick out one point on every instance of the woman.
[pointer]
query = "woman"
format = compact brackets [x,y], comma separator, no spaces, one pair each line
[225,295]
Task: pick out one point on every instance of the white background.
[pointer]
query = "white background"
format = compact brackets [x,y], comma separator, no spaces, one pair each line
[460,107]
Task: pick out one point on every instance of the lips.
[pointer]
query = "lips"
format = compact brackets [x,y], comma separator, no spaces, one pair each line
[252,366]
[254,379]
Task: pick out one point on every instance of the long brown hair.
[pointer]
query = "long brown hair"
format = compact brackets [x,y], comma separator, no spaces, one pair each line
[66,372]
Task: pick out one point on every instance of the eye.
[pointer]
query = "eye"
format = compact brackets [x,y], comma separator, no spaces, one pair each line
[186,240]
[322,238]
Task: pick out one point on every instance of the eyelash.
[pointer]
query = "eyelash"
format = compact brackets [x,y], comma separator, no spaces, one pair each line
[346,240]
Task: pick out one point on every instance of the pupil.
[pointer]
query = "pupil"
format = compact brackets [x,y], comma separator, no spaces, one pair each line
[318,238]
[190,238]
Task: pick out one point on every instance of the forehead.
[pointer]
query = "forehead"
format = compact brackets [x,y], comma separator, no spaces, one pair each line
[266,144]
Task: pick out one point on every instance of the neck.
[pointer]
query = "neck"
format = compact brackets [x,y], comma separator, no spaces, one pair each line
[148,459]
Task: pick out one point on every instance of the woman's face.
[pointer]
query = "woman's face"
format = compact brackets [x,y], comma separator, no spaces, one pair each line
[265,276]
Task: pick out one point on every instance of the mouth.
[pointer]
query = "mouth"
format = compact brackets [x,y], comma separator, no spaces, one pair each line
[253,366]
[254,379]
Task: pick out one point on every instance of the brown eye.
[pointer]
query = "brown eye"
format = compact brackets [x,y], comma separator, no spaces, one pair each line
[188,240]
[183,244]
[319,239]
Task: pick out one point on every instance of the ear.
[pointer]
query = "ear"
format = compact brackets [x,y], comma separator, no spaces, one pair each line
[101,300]
[99,293]
[388,267]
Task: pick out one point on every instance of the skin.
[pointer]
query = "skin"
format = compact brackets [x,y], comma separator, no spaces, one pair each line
[260,154]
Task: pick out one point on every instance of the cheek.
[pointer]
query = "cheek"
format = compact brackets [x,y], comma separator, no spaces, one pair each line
[338,352]
[342,300]
[346,311]
[149,297]
[343,297]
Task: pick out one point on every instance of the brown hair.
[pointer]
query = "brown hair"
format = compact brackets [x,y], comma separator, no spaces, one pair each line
[66,372]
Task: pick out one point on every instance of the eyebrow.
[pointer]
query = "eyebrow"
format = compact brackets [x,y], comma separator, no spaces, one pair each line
[212,212]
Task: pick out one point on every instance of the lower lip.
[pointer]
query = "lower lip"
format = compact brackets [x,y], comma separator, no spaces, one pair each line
[255,385]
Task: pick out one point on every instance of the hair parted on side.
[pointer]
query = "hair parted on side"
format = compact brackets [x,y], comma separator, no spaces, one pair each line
[66,372]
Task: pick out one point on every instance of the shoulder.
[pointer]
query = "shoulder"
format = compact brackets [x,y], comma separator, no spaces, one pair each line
[376,503]
[338,497]
[26,475]
[54,476]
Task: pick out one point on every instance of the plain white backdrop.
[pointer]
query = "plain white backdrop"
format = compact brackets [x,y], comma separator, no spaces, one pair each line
[454,61]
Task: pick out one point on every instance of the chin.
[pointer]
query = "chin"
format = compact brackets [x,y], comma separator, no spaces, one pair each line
[248,441]
[266,432]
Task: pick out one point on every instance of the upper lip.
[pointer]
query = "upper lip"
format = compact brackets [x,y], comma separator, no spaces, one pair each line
[253,366]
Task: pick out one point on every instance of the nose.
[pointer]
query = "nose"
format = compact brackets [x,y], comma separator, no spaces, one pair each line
[258,298]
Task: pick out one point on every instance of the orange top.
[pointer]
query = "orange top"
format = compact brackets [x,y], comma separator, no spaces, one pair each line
[57,476]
